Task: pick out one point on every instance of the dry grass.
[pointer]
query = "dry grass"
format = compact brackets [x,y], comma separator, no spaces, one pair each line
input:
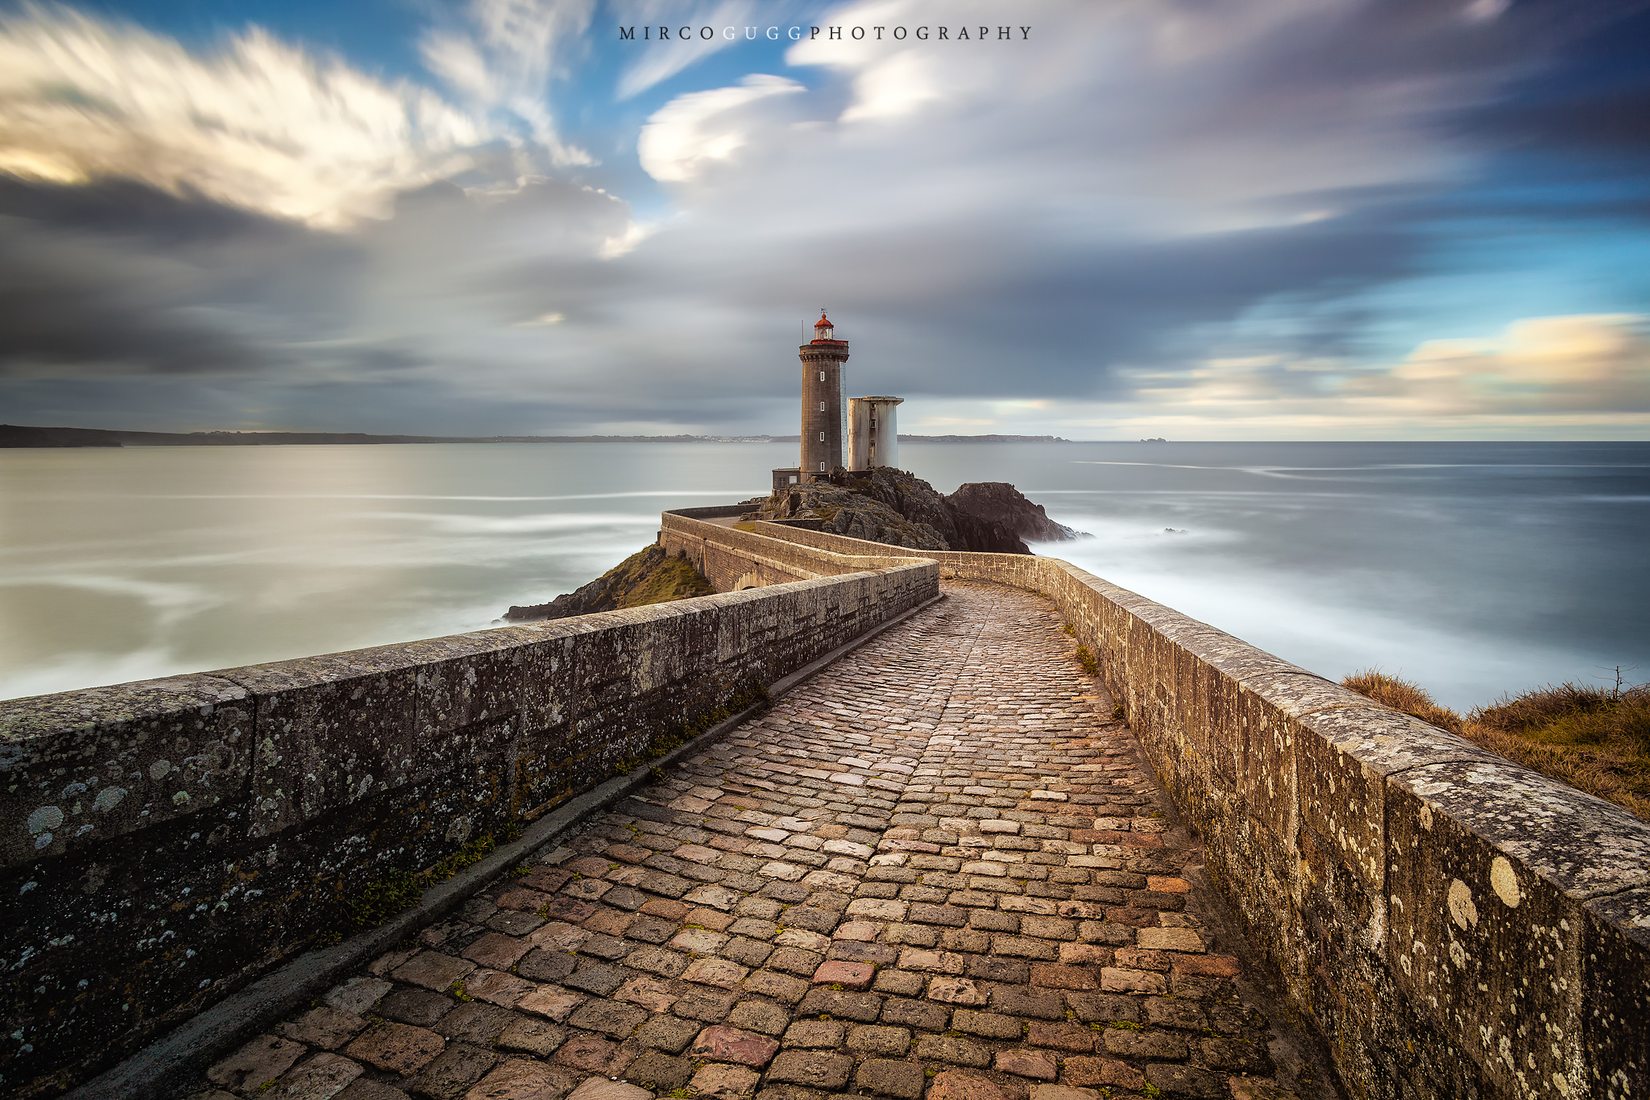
[1402,695]
[1592,738]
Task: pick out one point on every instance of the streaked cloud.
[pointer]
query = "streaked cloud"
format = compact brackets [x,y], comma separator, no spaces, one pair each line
[500,57]
[256,122]
[1576,371]
[1586,363]
[691,133]
[1189,218]
[655,64]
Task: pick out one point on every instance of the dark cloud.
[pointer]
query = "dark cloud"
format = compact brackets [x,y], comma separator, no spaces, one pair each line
[117,277]
[1237,188]
[1042,318]
[1581,118]
[127,209]
[1605,131]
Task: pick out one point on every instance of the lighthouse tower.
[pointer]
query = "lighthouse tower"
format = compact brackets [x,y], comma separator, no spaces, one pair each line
[822,360]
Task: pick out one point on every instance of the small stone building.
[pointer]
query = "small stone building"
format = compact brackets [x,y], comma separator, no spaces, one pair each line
[873,432]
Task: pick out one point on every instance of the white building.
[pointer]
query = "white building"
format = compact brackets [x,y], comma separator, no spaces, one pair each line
[873,432]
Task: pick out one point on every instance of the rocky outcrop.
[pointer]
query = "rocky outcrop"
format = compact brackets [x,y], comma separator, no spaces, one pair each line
[895,507]
[1001,503]
[645,577]
[879,505]
[841,510]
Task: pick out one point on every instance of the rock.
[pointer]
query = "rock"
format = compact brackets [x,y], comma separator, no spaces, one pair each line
[397,1048]
[892,506]
[923,523]
[519,1079]
[962,1085]
[849,975]
[724,1082]
[648,576]
[880,505]
[886,1077]
[814,1069]
[257,1064]
[598,1089]
[730,1044]
[1001,503]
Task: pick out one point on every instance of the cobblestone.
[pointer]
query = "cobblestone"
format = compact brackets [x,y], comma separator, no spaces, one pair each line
[938,867]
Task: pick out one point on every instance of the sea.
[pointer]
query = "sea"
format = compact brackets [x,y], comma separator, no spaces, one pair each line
[1475,569]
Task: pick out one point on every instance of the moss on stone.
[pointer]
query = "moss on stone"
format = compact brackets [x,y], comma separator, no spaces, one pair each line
[377,900]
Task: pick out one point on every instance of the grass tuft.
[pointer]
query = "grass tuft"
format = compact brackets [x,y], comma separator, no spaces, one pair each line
[1595,739]
[1402,695]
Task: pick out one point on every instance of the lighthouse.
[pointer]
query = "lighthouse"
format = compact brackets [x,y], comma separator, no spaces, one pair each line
[822,422]
[873,440]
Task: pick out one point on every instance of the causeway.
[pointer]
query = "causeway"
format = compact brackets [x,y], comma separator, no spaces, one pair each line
[937,868]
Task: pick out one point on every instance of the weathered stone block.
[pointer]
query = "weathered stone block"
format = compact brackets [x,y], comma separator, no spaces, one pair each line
[1344,753]
[330,731]
[469,678]
[1615,993]
[1486,926]
[82,767]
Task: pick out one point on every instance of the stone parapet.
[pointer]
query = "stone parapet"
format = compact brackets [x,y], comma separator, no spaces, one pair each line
[732,558]
[170,839]
[1451,923]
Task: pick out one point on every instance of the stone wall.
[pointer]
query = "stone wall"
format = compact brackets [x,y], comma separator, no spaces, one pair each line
[170,839]
[731,558]
[1452,924]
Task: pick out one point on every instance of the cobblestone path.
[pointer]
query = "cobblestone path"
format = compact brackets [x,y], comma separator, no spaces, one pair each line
[936,869]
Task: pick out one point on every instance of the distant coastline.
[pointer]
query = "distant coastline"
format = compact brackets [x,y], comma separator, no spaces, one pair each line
[16,435]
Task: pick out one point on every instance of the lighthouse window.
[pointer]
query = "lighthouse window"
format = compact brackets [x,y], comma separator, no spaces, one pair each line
[822,376]
[822,406]
[822,437]
[822,467]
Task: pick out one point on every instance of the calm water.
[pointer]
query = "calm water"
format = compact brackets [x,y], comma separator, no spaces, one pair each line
[1473,568]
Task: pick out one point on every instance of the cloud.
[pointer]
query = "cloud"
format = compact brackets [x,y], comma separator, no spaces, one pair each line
[257,123]
[685,138]
[119,275]
[1582,363]
[500,57]
[1143,210]
[657,62]
[1573,371]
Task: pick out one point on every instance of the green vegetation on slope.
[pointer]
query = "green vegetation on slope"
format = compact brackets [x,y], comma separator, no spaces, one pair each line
[1596,739]
[651,576]
[648,576]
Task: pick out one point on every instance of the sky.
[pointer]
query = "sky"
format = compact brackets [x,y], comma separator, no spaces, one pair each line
[1104,219]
